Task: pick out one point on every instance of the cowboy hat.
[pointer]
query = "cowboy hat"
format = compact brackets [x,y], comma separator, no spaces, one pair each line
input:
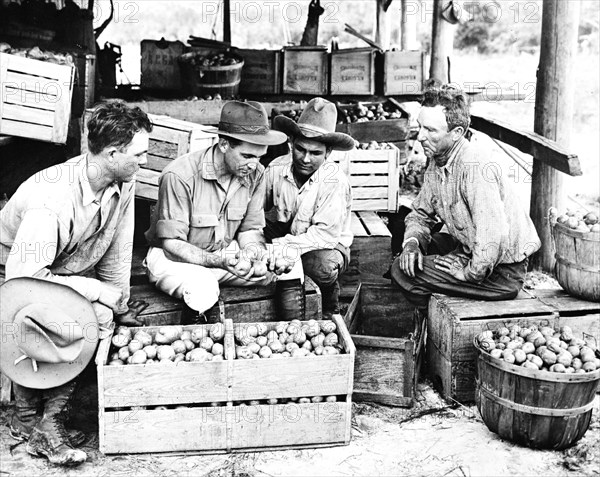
[317,123]
[49,332]
[247,122]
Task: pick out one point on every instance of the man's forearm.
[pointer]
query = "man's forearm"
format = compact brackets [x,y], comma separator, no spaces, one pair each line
[252,243]
[180,251]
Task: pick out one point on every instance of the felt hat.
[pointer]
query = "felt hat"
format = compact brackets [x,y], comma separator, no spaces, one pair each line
[49,332]
[248,122]
[317,123]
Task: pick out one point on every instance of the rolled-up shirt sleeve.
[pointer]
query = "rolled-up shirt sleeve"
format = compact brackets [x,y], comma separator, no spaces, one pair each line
[174,202]
[255,213]
[35,248]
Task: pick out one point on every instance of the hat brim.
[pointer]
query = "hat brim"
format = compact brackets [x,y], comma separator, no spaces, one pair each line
[272,138]
[19,292]
[336,140]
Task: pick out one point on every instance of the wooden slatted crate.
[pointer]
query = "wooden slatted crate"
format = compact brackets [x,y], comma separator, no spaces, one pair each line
[36,98]
[305,70]
[159,64]
[352,71]
[370,253]
[374,177]
[389,345]
[403,72]
[261,72]
[204,413]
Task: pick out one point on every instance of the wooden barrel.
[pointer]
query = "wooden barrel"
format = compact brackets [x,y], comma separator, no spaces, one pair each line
[533,408]
[577,261]
[201,80]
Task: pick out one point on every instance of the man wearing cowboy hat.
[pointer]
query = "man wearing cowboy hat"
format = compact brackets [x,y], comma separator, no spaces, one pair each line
[72,224]
[308,198]
[49,335]
[207,227]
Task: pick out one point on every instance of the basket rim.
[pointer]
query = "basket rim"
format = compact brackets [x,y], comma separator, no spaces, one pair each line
[550,376]
[589,236]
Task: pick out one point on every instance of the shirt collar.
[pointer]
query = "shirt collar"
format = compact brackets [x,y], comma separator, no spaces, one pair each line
[87,194]
[448,168]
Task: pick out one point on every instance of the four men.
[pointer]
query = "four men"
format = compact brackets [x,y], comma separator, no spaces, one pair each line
[73,224]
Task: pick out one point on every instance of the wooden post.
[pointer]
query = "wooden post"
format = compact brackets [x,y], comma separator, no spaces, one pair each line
[408,26]
[226,21]
[382,26]
[442,43]
[553,114]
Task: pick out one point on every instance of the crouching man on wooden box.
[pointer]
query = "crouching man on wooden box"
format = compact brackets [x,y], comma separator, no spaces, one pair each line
[308,198]
[490,237]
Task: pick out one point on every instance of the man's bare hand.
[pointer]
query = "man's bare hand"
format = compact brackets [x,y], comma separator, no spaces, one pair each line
[111,296]
[411,254]
[130,317]
[451,264]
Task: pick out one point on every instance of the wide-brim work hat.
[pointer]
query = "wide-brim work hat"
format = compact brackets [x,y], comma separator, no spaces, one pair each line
[248,122]
[49,332]
[317,123]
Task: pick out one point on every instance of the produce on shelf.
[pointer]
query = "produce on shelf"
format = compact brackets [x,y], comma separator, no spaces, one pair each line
[576,220]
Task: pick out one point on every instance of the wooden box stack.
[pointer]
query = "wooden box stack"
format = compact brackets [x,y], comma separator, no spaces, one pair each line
[36,98]
[352,71]
[261,72]
[305,70]
[206,402]
[454,322]
[159,66]
[403,72]
[389,345]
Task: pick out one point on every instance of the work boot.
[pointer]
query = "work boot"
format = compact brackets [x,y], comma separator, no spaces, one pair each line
[330,297]
[49,437]
[27,414]
[290,303]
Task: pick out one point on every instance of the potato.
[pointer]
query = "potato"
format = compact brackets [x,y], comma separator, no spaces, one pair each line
[124,354]
[116,362]
[262,329]
[254,347]
[217,349]
[179,346]
[331,339]
[565,358]
[198,355]
[199,333]
[216,331]
[120,340]
[261,341]
[167,334]
[276,346]
[535,360]
[206,343]
[520,356]
[496,353]
[589,366]
[150,351]
[265,352]
[557,368]
[576,364]
[165,352]
[289,347]
[318,340]
[260,269]
[530,365]
[528,348]
[143,337]
[243,352]
[328,327]
[272,336]
[189,344]
[186,335]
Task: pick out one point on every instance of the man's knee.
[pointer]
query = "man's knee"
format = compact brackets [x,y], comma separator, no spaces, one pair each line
[323,266]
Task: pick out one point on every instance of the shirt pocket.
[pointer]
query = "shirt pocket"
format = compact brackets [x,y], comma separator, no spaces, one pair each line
[204,220]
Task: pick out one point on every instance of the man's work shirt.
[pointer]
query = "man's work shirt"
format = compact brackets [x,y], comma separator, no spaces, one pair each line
[54,228]
[198,207]
[476,202]
[319,211]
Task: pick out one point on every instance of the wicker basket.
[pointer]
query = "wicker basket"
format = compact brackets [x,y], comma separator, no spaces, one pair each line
[577,261]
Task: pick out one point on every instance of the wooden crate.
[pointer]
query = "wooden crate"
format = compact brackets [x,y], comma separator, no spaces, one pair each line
[374,177]
[389,345]
[159,66]
[240,304]
[36,98]
[402,72]
[261,72]
[84,89]
[305,70]
[454,322]
[127,393]
[352,71]
[370,252]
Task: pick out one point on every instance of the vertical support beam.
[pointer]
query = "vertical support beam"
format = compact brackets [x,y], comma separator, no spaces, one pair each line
[442,43]
[382,26]
[227,21]
[553,114]
[408,25]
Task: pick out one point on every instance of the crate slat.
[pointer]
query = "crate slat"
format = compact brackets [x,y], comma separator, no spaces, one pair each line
[373,224]
[305,70]
[16,112]
[32,100]
[352,71]
[369,193]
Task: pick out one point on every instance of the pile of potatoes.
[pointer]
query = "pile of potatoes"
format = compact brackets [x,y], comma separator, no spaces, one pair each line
[374,112]
[216,59]
[577,220]
[167,345]
[373,145]
[287,340]
[541,348]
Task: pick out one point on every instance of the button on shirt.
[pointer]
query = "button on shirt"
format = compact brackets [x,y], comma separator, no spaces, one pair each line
[476,202]
[197,206]
[319,211]
[54,228]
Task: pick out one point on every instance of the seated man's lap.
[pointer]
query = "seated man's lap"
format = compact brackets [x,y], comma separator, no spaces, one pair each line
[324,266]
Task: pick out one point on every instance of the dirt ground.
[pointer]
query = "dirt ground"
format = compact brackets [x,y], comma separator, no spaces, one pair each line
[434,438]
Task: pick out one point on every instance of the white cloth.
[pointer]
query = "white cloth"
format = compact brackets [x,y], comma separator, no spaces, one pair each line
[199,286]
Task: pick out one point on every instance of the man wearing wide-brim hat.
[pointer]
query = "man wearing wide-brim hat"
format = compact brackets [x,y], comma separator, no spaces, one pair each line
[207,226]
[308,197]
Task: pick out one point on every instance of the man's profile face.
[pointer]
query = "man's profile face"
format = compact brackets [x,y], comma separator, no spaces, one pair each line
[308,156]
[243,159]
[433,133]
[128,159]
